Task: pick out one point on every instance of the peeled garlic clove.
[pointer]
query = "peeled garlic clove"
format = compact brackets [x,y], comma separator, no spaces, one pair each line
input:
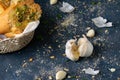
[53,2]
[71,50]
[86,47]
[60,75]
[91,33]
[81,41]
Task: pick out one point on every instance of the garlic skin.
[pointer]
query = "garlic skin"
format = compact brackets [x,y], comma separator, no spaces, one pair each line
[85,47]
[71,50]
[67,8]
[91,71]
[101,22]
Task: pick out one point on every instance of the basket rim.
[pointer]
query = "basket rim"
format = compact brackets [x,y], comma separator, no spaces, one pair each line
[7,39]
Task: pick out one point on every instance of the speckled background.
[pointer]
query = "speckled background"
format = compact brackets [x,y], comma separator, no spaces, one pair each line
[48,45]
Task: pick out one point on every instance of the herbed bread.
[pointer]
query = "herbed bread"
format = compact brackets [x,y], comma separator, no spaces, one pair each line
[16,15]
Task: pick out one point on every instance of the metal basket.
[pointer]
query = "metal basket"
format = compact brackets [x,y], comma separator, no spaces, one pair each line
[15,44]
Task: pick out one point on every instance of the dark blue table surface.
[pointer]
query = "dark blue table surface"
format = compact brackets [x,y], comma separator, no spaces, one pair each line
[50,38]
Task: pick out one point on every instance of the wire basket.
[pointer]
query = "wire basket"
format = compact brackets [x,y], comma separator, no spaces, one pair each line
[15,44]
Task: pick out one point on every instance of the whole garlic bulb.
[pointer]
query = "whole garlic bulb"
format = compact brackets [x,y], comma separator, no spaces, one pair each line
[71,50]
[85,47]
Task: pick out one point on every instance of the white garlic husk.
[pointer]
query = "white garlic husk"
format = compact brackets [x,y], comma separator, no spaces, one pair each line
[85,47]
[71,50]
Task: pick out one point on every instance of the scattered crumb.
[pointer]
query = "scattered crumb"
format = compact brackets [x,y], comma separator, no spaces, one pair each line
[69,77]
[66,69]
[109,0]
[93,76]
[69,20]
[59,46]
[38,78]
[103,57]
[50,77]
[118,78]
[31,59]
[18,72]
[64,54]
[77,76]
[88,28]
[49,47]
[112,69]
[24,64]
[52,57]
[106,31]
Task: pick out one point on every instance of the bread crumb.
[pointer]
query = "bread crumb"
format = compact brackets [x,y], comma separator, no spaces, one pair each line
[64,54]
[31,59]
[106,31]
[69,77]
[112,69]
[52,57]
[38,78]
[66,69]
[49,47]
[50,77]
[88,28]
[24,64]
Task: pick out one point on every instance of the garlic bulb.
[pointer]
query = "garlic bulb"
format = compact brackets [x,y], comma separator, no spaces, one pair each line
[85,47]
[71,50]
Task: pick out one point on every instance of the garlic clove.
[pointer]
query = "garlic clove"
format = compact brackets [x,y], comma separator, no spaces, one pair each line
[71,50]
[91,33]
[60,75]
[86,48]
[81,41]
[53,2]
